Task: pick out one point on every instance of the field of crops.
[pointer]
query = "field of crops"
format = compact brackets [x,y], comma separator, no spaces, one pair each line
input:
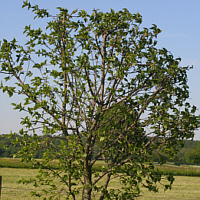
[184,187]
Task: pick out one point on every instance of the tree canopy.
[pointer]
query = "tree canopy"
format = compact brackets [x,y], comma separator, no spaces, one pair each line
[96,81]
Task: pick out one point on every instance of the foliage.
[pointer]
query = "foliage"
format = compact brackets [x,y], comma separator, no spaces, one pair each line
[182,156]
[96,81]
[7,149]
[193,156]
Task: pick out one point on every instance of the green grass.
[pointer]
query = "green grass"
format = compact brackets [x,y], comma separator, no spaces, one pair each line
[184,187]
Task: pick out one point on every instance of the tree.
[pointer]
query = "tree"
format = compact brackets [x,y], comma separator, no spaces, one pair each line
[193,156]
[96,82]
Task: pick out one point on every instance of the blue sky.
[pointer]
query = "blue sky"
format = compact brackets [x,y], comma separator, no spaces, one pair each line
[179,21]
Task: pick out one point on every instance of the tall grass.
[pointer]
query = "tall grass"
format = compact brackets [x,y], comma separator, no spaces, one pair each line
[179,170]
[164,169]
[14,163]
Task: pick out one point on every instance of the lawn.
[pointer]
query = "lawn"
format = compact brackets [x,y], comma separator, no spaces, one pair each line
[184,187]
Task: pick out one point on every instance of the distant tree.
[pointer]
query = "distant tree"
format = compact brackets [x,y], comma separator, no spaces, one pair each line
[179,158]
[7,149]
[96,81]
[193,155]
[187,153]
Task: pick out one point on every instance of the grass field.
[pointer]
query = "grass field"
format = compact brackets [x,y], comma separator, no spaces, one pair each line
[183,170]
[184,187]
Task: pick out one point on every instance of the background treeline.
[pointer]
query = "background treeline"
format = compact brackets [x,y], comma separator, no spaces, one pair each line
[8,149]
[189,154]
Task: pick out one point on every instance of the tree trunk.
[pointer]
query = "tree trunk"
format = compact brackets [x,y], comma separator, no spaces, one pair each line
[88,172]
[88,189]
